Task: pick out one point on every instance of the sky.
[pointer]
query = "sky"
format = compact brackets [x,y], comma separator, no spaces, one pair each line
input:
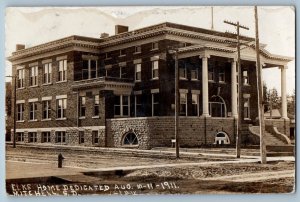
[33,26]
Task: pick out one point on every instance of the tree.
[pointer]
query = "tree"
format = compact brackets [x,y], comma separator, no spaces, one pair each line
[291,103]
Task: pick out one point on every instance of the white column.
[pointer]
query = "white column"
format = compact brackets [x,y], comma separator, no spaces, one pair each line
[205,111]
[233,90]
[283,93]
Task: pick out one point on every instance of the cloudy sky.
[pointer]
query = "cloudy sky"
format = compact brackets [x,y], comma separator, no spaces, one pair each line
[33,26]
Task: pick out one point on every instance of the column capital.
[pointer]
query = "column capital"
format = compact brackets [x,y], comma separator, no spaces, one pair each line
[283,67]
[204,55]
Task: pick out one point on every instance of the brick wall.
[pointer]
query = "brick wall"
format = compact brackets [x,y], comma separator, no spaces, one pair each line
[159,131]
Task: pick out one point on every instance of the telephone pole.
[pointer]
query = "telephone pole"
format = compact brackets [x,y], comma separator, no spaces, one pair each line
[240,83]
[263,152]
[174,50]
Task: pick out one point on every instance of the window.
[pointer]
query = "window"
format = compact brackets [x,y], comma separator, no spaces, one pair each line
[121,71]
[247,108]
[46,109]
[20,112]
[210,73]
[138,73]
[96,105]
[183,104]
[61,106]
[195,105]
[222,75]
[93,69]
[20,137]
[81,137]
[182,72]
[117,105]
[154,45]
[138,106]
[155,104]
[34,76]
[121,105]
[138,49]
[125,105]
[46,137]
[47,71]
[122,52]
[60,137]
[217,106]
[21,77]
[62,70]
[95,137]
[194,74]
[82,102]
[33,111]
[245,78]
[155,73]
[32,137]
[130,139]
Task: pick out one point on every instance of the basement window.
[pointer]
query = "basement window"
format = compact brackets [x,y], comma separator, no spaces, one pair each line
[130,139]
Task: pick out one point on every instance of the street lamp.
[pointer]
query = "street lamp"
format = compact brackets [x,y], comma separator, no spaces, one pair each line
[15,104]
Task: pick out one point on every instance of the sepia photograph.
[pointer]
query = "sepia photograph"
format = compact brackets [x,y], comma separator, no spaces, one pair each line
[150,100]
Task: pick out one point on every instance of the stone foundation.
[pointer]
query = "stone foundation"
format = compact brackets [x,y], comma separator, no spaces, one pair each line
[159,131]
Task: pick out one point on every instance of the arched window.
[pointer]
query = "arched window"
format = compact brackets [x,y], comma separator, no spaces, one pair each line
[222,138]
[130,139]
[217,106]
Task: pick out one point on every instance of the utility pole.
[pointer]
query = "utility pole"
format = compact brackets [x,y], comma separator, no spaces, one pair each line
[175,52]
[176,104]
[240,83]
[15,108]
[260,94]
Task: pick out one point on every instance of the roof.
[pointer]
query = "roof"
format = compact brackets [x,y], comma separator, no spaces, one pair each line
[146,32]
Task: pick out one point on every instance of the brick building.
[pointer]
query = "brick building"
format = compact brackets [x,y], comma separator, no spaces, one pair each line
[118,91]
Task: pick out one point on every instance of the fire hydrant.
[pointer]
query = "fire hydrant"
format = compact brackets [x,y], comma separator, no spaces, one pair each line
[60,160]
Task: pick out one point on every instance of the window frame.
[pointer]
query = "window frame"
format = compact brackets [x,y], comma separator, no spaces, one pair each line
[62,70]
[122,106]
[63,109]
[184,77]
[32,111]
[245,78]
[20,137]
[197,104]
[95,136]
[155,45]
[81,135]
[82,106]
[222,78]
[32,137]
[96,105]
[196,73]
[155,68]
[21,78]
[46,109]
[137,67]
[248,117]
[33,76]
[20,113]
[180,104]
[154,103]
[47,73]
[211,73]
[60,137]
[46,137]
[136,49]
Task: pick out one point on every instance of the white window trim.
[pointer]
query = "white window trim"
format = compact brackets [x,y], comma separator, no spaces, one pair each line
[184,93]
[153,92]
[197,95]
[46,98]
[121,106]
[135,72]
